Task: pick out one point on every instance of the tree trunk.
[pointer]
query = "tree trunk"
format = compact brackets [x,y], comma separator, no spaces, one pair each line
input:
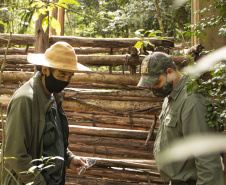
[159,18]
[54,15]
[41,37]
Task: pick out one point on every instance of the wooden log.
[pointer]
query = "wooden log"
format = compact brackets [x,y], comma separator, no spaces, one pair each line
[112,42]
[120,174]
[23,39]
[96,124]
[139,95]
[145,116]
[81,50]
[4,101]
[116,120]
[133,144]
[17,39]
[78,51]
[16,51]
[95,60]
[107,132]
[126,163]
[99,181]
[78,78]
[89,50]
[91,155]
[112,151]
[114,107]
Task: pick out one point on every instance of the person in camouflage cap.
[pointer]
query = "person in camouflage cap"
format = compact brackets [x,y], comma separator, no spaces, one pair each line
[152,67]
[182,115]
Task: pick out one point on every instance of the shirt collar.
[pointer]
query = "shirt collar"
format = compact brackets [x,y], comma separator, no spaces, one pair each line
[178,88]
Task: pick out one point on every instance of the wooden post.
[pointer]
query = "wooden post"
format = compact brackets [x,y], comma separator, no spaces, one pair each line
[54,15]
[41,38]
[61,20]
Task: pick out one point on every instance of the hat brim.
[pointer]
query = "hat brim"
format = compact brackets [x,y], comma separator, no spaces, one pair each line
[147,81]
[39,59]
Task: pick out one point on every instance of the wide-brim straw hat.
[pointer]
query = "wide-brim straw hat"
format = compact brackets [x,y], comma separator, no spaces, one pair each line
[60,55]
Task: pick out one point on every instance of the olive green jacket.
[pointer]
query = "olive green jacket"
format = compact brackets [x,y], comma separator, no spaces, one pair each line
[24,128]
[184,115]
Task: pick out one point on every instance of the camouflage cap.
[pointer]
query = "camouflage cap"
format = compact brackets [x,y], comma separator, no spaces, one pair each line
[152,66]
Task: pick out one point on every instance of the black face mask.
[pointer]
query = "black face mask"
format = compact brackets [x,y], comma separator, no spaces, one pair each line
[163,91]
[54,85]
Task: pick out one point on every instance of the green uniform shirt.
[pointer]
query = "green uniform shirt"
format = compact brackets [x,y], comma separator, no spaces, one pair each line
[24,132]
[183,115]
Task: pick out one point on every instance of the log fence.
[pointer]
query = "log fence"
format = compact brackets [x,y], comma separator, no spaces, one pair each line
[110,118]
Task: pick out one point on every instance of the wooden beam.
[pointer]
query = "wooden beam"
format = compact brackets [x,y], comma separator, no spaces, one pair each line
[107,132]
[23,39]
[95,60]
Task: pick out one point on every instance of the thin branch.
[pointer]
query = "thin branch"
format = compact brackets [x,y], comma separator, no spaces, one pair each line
[3,135]
[11,176]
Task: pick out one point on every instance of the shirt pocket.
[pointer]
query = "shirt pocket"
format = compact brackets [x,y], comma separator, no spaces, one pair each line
[171,119]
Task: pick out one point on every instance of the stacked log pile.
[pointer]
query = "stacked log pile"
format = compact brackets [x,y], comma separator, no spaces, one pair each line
[110,118]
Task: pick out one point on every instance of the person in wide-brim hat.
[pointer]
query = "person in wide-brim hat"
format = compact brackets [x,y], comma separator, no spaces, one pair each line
[36,125]
[61,56]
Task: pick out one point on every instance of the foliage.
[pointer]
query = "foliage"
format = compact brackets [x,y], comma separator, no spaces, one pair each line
[122,18]
[96,18]
[209,21]
[43,8]
[141,33]
[214,88]
[45,163]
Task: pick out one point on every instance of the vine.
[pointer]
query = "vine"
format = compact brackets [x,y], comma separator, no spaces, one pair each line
[214,89]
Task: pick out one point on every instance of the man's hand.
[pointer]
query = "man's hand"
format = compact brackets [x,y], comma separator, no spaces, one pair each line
[77,163]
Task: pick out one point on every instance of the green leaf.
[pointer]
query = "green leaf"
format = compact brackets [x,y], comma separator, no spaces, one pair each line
[152,34]
[138,44]
[61,5]
[55,25]
[158,31]
[69,2]
[36,16]
[10,158]
[146,43]
[45,24]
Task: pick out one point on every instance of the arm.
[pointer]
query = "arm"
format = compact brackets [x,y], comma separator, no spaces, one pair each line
[73,162]
[193,117]
[17,140]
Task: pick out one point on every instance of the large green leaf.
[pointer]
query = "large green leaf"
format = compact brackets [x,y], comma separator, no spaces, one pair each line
[56,25]
[45,24]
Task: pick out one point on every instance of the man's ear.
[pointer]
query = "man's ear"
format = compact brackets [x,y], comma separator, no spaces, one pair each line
[169,70]
[45,70]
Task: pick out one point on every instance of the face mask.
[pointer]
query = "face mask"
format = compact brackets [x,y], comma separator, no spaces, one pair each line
[54,85]
[163,91]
